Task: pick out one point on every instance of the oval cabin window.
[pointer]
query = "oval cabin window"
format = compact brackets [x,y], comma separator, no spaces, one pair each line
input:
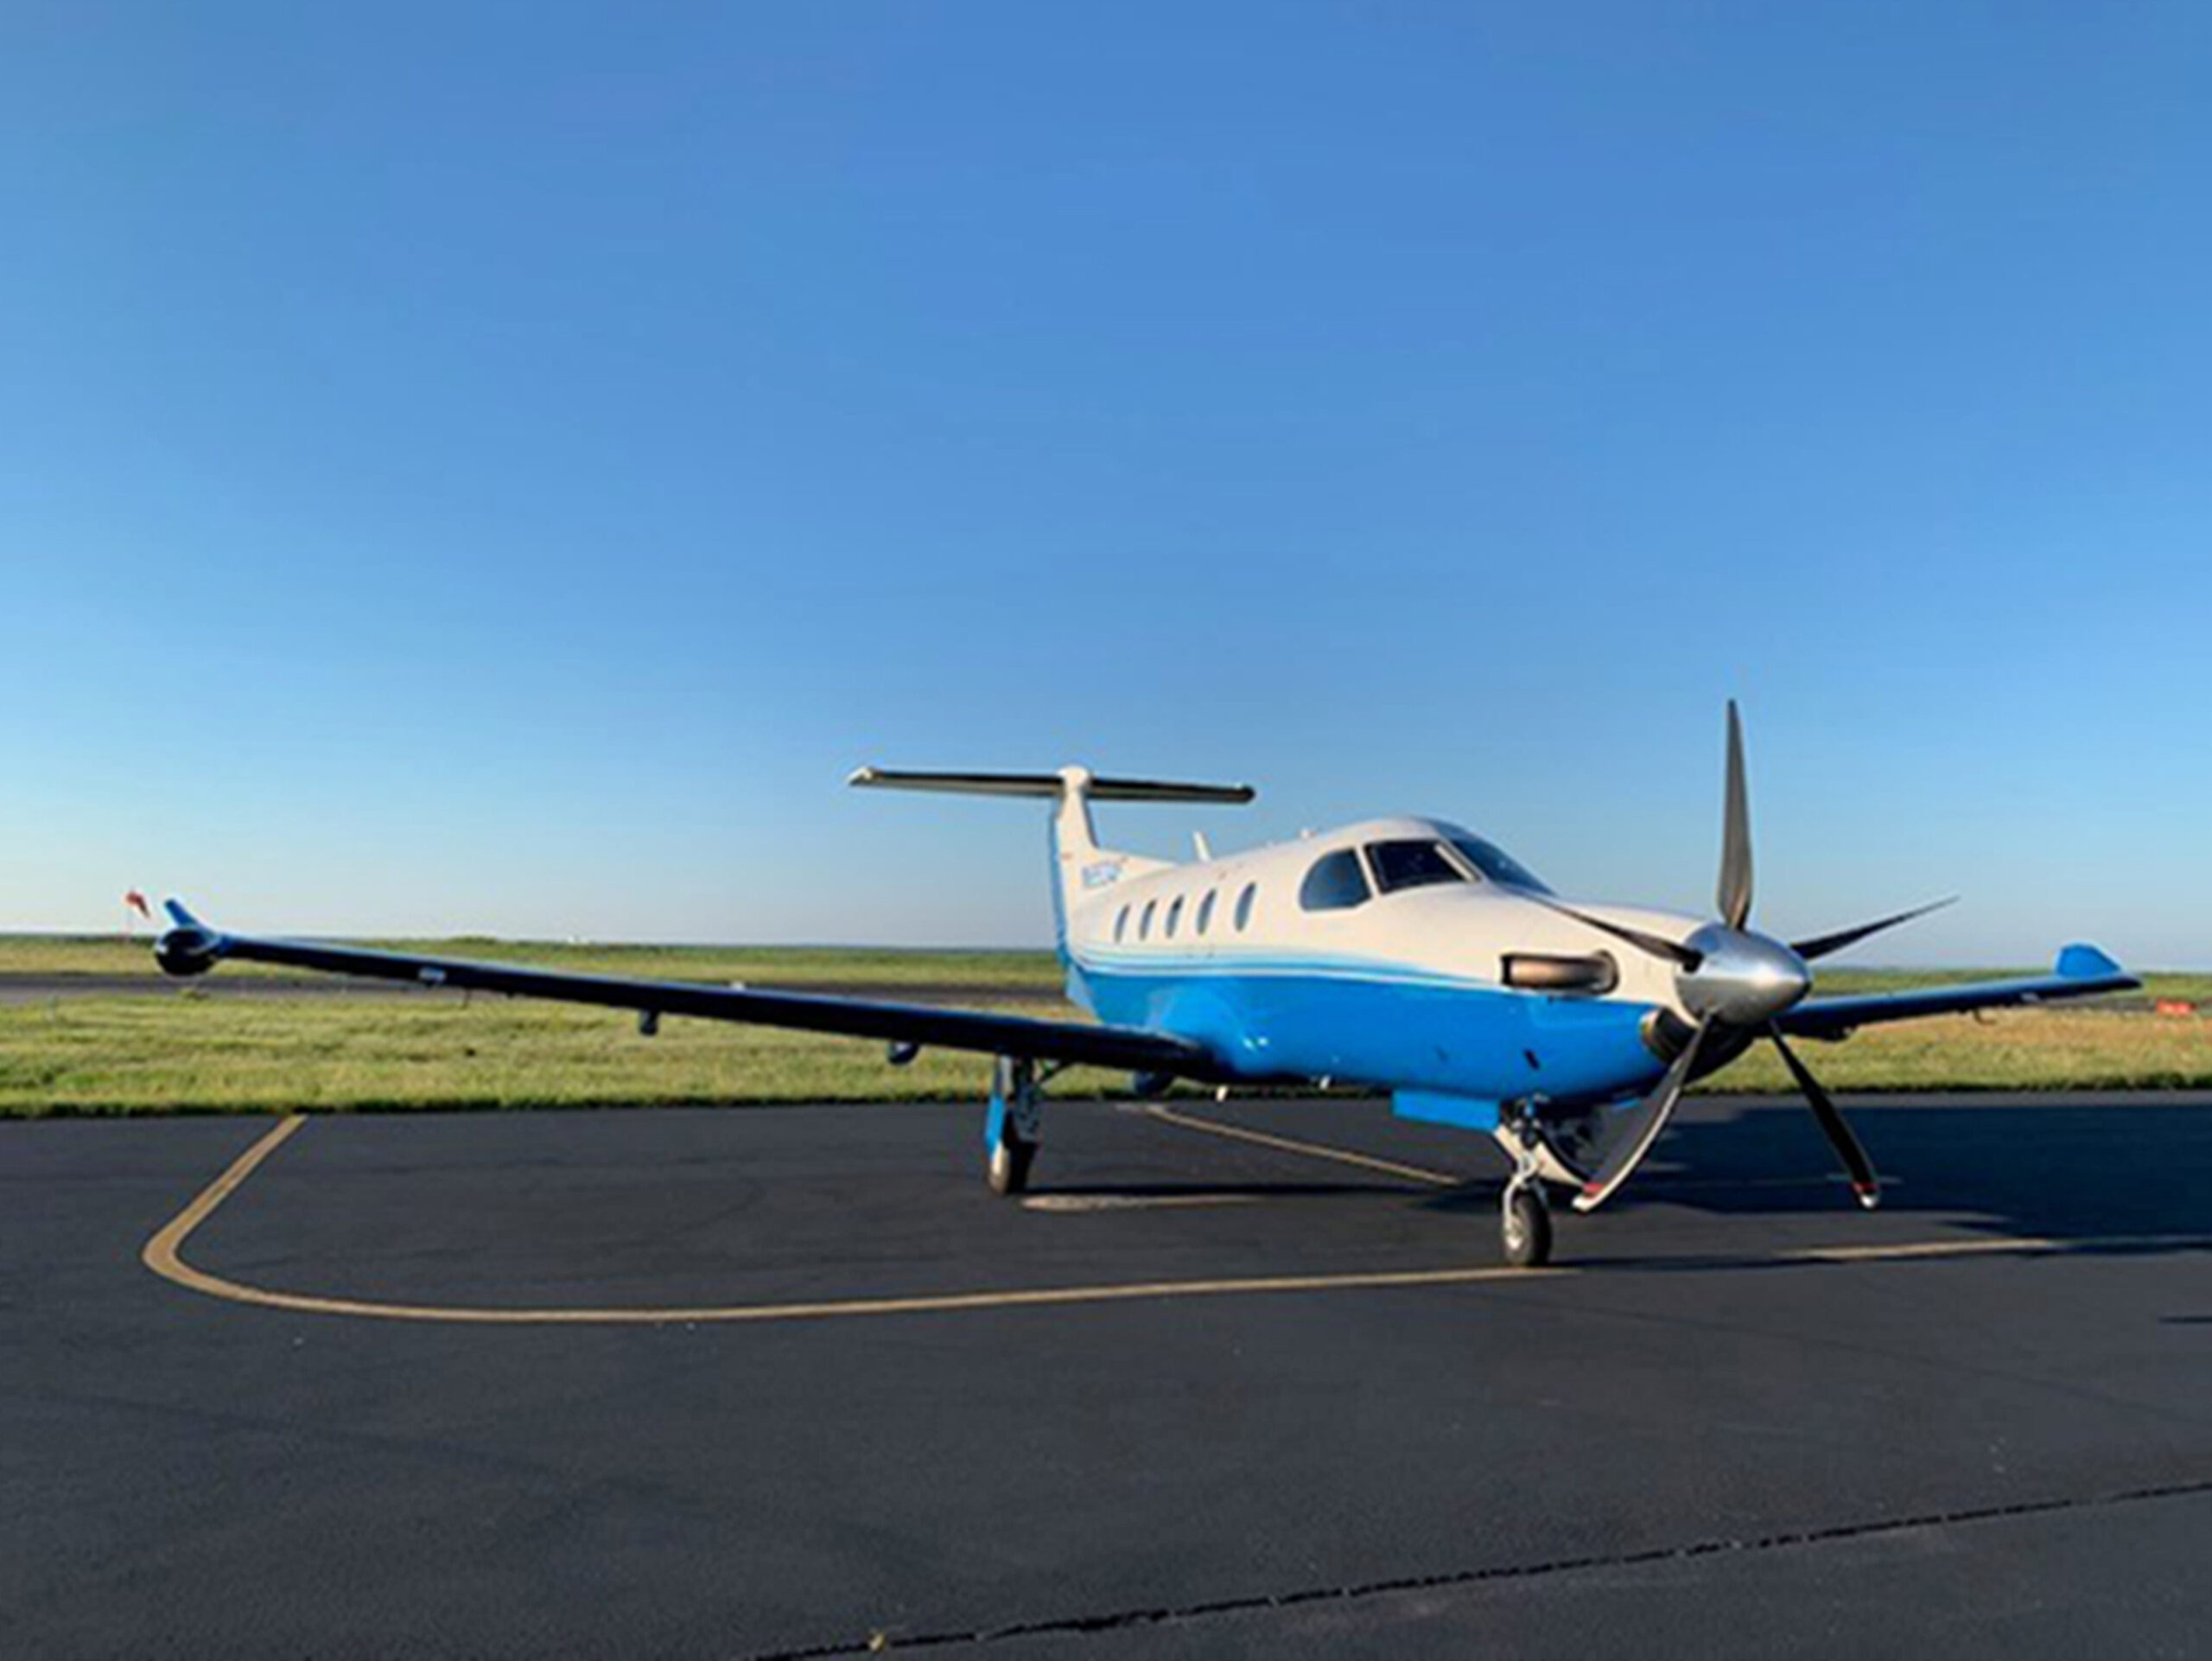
[1335,883]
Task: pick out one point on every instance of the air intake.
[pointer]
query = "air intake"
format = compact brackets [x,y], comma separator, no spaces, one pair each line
[1532,971]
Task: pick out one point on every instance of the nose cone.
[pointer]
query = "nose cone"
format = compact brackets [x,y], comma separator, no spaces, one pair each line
[1741,978]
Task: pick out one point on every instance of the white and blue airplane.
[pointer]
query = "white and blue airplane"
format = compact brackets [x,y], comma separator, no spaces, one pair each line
[1401,955]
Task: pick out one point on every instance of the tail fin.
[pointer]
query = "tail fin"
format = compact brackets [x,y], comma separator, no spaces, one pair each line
[1080,866]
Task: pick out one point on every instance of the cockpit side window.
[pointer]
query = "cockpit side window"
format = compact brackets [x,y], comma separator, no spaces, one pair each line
[1335,883]
[1411,865]
[1496,864]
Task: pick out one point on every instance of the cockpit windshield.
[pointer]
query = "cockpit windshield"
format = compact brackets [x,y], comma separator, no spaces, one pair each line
[1411,865]
[1496,864]
[1418,863]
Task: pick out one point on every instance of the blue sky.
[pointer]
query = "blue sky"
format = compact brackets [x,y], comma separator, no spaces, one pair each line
[495,468]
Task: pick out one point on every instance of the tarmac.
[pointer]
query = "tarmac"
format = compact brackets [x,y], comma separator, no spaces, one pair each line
[1244,1377]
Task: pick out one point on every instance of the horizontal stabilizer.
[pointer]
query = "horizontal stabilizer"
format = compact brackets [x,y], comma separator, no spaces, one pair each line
[1051,787]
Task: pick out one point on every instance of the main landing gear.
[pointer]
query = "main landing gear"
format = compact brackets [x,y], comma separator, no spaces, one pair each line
[1012,1128]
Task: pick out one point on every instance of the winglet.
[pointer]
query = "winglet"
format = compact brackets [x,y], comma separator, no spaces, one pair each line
[2078,962]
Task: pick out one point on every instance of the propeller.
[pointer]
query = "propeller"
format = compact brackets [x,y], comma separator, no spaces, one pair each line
[1735,982]
[1641,1127]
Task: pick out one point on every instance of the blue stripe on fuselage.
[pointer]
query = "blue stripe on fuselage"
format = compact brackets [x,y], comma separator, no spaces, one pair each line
[1389,1025]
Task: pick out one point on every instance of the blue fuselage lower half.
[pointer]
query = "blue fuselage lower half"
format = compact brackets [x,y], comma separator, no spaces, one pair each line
[1303,1018]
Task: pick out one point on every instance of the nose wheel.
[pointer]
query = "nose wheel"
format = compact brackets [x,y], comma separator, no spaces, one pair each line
[1525,1227]
[1524,1223]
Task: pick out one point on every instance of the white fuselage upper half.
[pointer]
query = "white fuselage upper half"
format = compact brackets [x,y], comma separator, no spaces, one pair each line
[1391,914]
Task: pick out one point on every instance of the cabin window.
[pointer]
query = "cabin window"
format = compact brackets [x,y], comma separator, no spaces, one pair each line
[1411,865]
[1496,864]
[1335,883]
[1206,911]
[1244,905]
[1144,923]
[1174,915]
[1121,923]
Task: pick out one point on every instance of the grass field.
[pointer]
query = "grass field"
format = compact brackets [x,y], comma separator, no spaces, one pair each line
[194,1050]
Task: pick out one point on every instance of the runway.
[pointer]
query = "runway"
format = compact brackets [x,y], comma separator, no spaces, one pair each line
[788,1381]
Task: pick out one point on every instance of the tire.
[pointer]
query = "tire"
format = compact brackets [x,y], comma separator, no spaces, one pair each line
[1525,1229]
[1008,1172]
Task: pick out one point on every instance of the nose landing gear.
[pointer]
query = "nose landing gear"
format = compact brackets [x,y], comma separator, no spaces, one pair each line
[1524,1226]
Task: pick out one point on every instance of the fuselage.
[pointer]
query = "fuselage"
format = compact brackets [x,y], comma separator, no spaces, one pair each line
[1383,953]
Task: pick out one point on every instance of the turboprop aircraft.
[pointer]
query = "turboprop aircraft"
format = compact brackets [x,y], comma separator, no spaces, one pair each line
[1404,954]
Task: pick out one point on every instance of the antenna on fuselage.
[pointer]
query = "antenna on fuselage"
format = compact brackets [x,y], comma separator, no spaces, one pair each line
[1204,848]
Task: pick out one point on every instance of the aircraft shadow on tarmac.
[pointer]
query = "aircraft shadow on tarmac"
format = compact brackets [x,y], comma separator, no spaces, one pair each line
[2096,1173]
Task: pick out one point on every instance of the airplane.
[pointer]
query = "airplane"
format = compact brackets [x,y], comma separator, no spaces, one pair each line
[1405,956]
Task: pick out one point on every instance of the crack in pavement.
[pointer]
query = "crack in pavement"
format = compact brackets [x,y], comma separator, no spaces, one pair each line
[1127,1619]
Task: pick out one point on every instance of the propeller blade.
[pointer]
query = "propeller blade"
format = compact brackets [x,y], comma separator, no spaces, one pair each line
[1821,945]
[1866,1186]
[1641,1127]
[1735,895]
[1657,945]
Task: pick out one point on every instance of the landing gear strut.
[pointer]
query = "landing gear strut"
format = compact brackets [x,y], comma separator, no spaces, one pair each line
[1524,1225]
[1012,1128]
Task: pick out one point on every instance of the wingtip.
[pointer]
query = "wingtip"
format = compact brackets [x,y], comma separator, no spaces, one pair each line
[189,948]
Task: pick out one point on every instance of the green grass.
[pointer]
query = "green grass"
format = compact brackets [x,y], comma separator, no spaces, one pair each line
[206,1054]
[186,1053]
[192,1049]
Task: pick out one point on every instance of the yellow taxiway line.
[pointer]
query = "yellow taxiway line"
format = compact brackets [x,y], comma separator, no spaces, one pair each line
[163,1255]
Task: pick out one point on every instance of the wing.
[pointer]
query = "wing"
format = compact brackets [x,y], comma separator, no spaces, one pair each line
[2082,972]
[192,948]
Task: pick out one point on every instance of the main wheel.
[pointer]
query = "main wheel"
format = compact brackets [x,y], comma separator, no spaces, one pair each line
[1525,1227]
[1010,1163]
